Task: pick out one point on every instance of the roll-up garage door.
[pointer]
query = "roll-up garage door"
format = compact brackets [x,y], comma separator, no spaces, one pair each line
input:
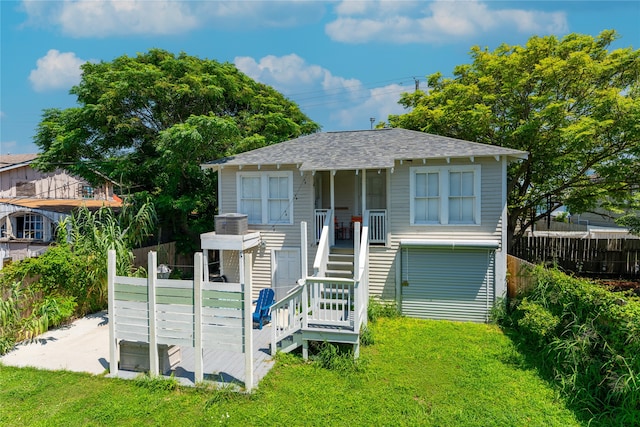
[448,283]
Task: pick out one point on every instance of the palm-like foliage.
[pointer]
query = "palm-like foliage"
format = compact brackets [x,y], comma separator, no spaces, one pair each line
[71,277]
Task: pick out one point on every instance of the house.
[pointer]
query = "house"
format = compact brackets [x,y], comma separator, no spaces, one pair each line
[32,203]
[417,218]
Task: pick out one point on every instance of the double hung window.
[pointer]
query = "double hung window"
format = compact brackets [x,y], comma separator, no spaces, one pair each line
[445,195]
[266,197]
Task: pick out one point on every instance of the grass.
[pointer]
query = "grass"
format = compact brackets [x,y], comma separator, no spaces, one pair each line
[417,373]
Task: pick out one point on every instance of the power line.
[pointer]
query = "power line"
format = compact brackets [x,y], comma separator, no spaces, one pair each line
[323,92]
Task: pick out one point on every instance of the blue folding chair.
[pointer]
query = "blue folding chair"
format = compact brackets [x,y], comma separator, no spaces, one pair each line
[265,300]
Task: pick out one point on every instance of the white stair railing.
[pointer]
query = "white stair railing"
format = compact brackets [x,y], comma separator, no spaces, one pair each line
[287,316]
[322,255]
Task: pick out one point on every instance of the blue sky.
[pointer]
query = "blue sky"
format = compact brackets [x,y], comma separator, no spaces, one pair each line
[343,62]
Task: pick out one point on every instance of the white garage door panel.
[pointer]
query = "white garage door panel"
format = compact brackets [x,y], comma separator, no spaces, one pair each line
[454,284]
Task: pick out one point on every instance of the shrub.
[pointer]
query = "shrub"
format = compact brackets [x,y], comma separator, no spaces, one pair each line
[586,338]
[366,336]
[537,322]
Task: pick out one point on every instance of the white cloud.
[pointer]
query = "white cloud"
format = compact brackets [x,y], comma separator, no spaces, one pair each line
[56,70]
[290,74]
[349,102]
[438,21]
[377,103]
[103,18]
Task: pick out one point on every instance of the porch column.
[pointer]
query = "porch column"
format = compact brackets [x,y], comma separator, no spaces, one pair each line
[332,231]
[364,194]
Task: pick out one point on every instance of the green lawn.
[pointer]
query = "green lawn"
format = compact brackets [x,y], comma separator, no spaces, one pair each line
[416,373]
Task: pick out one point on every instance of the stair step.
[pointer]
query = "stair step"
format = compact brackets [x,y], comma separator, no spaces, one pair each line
[341,257]
[347,274]
[340,265]
[342,251]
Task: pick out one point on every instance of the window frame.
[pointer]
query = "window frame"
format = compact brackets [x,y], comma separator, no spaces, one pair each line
[445,194]
[26,226]
[265,196]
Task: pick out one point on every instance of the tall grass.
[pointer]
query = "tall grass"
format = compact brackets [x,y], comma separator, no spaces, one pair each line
[584,337]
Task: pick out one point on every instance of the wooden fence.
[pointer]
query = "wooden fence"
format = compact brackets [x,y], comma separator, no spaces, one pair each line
[518,276]
[604,258]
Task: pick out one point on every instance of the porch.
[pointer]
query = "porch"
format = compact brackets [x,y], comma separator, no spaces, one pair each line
[342,233]
[349,196]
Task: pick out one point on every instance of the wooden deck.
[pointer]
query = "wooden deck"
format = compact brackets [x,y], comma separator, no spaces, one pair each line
[221,367]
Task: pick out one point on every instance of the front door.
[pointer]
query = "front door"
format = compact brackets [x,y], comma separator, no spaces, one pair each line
[286,270]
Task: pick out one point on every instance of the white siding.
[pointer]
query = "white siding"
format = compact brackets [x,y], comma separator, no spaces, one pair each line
[384,260]
[274,236]
[383,273]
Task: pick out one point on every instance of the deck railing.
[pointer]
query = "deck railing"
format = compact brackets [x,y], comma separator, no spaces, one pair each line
[377,225]
[331,302]
[361,274]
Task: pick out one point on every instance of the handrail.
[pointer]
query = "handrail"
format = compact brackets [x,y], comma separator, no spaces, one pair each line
[362,276]
[364,247]
[322,255]
[287,315]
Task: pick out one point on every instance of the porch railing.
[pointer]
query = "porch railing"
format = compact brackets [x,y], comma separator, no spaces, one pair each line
[377,225]
[331,302]
[320,219]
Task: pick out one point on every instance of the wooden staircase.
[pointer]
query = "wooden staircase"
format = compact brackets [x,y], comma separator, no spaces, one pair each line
[340,263]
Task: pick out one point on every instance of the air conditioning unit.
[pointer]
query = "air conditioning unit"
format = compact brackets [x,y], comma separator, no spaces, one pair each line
[231,223]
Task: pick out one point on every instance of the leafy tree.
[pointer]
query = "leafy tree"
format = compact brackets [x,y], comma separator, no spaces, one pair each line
[632,221]
[572,103]
[148,122]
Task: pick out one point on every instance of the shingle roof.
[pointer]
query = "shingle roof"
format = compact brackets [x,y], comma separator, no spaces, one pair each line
[9,160]
[365,149]
[62,205]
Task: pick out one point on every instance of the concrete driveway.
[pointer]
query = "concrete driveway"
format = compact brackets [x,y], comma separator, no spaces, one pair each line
[82,346]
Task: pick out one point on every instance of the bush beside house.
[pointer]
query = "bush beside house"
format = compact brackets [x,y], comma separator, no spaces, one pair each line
[584,337]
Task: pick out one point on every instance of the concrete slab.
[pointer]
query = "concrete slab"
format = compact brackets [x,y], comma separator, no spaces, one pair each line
[82,346]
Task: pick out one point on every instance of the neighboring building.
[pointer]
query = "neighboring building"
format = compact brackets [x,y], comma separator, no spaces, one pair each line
[32,203]
[434,207]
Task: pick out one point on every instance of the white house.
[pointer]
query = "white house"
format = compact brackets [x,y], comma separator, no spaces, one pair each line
[432,211]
